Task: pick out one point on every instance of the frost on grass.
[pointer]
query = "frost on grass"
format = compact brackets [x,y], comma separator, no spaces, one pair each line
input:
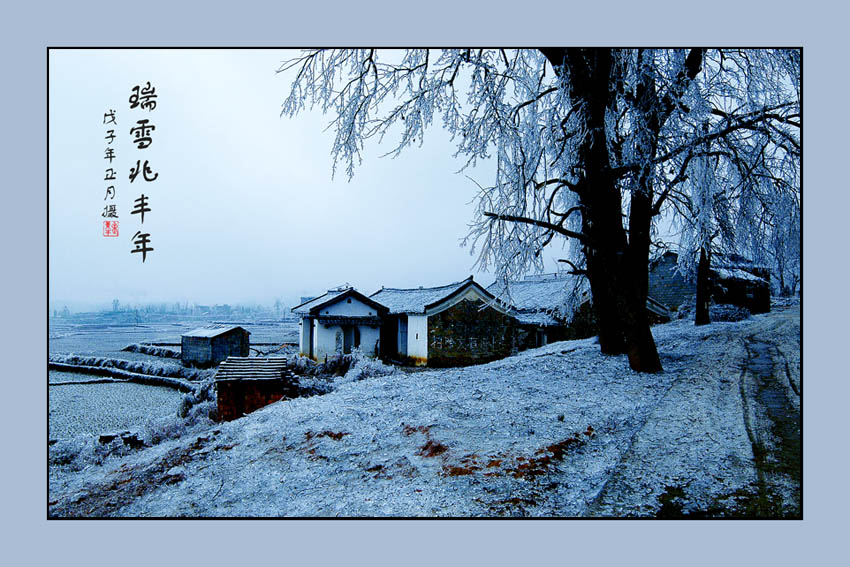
[556,431]
[197,411]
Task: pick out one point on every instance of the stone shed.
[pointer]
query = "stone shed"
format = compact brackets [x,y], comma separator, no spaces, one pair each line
[207,346]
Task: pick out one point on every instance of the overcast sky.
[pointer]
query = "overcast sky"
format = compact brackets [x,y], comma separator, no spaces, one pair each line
[244,208]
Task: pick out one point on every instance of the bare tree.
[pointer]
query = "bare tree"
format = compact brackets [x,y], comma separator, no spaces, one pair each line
[591,145]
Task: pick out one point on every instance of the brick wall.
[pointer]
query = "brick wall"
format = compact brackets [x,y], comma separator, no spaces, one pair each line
[464,335]
[238,397]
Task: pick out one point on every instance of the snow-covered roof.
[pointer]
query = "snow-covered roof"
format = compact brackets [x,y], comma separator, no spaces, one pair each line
[252,368]
[534,294]
[737,274]
[332,296]
[538,318]
[417,300]
[317,301]
[210,331]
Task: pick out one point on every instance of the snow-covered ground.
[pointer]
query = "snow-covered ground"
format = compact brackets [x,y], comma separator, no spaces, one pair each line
[556,431]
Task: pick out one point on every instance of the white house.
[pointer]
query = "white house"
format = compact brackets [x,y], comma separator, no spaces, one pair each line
[459,323]
[337,322]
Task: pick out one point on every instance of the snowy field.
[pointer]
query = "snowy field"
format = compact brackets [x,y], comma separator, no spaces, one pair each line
[94,409]
[556,431]
[108,340]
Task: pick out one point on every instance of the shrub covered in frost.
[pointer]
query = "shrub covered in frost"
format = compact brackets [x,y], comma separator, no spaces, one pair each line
[79,452]
[201,396]
[336,365]
[152,350]
[320,378]
[363,367]
[150,368]
[716,311]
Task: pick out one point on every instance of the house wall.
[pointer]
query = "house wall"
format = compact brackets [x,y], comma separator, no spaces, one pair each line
[232,343]
[345,309]
[369,339]
[209,351]
[417,339]
[238,397]
[667,286]
[470,294]
[305,326]
[465,334]
[195,351]
[329,340]
[325,339]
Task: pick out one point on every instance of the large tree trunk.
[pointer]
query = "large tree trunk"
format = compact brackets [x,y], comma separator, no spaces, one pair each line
[703,289]
[617,266]
[643,355]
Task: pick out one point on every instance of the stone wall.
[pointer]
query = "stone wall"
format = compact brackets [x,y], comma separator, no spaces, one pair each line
[667,286]
[195,351]
[463,334]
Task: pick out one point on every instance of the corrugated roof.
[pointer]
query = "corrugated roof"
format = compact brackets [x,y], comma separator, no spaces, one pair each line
[415,300]
[210,331]
[252,368]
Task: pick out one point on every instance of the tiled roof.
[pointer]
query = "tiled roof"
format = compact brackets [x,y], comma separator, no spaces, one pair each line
[415,300]
[316,301]
[544,294]
[331,297]
[252,368]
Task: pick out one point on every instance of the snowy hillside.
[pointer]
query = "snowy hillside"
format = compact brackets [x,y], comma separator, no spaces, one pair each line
[556,431]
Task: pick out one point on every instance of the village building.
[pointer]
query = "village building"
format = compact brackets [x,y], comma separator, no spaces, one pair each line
[337,322]
[539,307]
[207,346]
[451,325]
[539,304]
[733,280]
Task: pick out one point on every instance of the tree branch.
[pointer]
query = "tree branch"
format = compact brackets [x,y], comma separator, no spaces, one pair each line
[583,238]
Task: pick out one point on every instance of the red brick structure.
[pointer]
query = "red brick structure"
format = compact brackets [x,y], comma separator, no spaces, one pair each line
[246,384]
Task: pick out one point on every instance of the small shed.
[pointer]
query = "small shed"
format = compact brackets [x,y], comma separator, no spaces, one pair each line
[207,346]
[246,384]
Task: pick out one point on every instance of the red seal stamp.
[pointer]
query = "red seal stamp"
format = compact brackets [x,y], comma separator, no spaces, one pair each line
[110,228]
